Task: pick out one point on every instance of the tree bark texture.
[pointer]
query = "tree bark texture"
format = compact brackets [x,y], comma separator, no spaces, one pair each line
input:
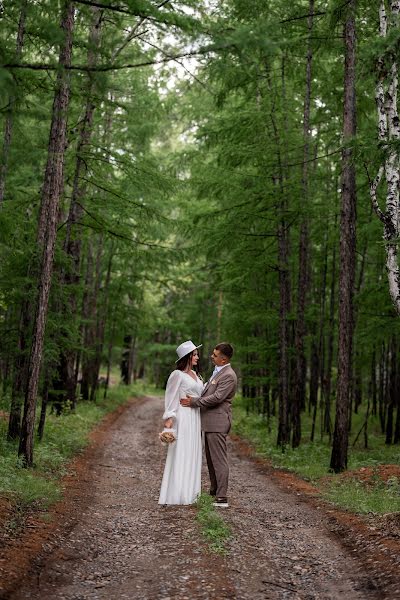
[382,388]
[88,308]
[73,241]
[331,333]
[8,127]
[47,228]
[284,309]
[20,373]
[347,251]
[392,399]
[283,236]
[304,270]
[388,135]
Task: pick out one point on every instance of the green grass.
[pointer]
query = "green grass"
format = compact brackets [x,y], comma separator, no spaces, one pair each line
[379,498]
[64,437]
[213,527]
[311,460]
[142,388]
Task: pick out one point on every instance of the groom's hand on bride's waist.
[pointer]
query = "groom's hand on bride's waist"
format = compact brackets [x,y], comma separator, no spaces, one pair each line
[185,401]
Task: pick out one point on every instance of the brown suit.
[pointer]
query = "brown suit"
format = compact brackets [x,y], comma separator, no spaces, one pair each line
[215,406]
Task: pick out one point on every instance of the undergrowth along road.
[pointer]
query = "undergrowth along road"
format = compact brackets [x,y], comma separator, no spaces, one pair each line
[121,543]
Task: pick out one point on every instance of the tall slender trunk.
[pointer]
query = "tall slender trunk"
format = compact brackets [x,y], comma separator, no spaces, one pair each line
[73,241]
[103,314]
[20,373]
[382,388]
[43,408]
[47,228]
[347,250]
[283,235]
[87,314]
[284,333]
[396,439]
[304,268]
[20,366]
[393,366]
[329,362]
[373,386]
[314,380]
[8,127]
[109,357]
[96,349]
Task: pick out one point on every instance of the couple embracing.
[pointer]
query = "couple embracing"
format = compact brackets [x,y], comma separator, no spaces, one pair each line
[190,408]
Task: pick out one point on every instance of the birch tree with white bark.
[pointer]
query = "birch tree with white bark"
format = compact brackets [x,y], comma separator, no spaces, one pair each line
[389,134]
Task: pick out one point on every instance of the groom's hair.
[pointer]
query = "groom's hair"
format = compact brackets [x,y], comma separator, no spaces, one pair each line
[225,349]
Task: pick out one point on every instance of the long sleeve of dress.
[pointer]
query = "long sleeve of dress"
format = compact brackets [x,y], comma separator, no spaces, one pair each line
[172,395]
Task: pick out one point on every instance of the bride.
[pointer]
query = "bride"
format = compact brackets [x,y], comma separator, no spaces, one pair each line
[181,483]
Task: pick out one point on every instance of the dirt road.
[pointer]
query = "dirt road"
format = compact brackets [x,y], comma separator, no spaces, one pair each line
[125,546]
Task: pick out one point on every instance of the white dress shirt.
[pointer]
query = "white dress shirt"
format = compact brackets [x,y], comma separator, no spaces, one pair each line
[218,369]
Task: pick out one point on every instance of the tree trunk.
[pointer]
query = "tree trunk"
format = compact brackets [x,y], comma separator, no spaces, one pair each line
[284,308]
[321,337]
[20,373]
[283,236]
[357,386]
[393,366]
[20,366]
[373,386]
[347,251]
[304,269]
[8,127]
[382,389]
[43,410]
[98,325]
[87,314]
[73,242]
[314,380]
[396,439]
[109,357]
[329,362]
[389,134]
[47,228]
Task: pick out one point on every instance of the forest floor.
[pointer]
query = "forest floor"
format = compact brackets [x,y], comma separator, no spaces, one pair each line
[109,538]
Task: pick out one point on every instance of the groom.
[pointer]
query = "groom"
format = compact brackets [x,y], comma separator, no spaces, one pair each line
[216,419]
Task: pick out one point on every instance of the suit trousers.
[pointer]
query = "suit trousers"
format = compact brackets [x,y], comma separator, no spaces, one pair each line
[217,462]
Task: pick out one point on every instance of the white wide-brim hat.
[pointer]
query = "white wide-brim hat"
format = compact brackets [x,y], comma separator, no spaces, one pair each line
[186,348]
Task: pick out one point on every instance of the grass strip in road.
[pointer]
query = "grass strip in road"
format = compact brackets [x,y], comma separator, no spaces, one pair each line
[64,437]
[213,526]
[362,489]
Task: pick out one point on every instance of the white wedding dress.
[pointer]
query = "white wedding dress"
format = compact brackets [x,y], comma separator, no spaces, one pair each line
[181,483]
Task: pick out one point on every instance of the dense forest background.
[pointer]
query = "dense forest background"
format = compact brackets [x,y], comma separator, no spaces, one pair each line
[208,171]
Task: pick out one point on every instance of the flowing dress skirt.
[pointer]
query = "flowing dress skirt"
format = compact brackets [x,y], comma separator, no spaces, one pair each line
[181,483]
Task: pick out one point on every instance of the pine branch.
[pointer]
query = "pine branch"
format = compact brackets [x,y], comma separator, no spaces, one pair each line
[178,61]
[106,68]
[317,14]
[120,9]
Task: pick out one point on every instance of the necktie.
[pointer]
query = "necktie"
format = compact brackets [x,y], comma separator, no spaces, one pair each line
[214,373]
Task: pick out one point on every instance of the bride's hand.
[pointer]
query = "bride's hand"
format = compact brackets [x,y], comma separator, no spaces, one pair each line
[168,423]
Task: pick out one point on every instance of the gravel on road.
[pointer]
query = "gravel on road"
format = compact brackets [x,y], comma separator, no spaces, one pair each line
[123,545]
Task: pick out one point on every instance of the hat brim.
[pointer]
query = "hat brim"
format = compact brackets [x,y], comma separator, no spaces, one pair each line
[195,348]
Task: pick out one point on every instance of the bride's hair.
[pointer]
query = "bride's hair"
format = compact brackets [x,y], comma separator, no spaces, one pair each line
[184,362]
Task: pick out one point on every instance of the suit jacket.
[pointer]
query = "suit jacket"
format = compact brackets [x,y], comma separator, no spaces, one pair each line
[215,402]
